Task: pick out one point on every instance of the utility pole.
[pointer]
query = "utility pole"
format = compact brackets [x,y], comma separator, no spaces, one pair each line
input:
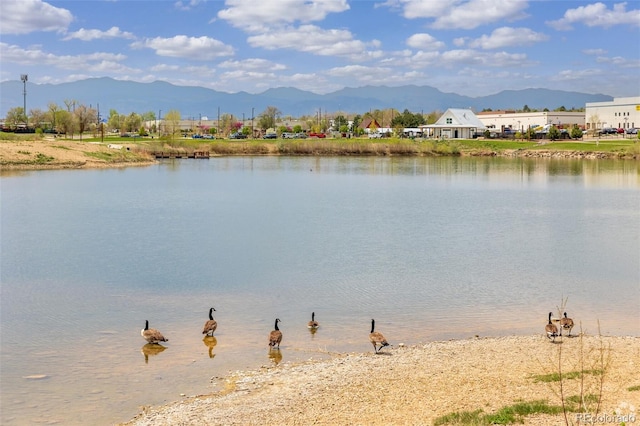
[24,78]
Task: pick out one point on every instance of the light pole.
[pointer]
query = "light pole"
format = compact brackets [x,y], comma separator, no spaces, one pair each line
[24,78]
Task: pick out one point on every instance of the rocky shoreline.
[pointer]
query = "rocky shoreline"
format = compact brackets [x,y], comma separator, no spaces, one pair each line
[417,385]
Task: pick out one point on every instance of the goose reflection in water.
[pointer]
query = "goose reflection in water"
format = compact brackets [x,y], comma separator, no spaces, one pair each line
[151,349]
[210,342]
[275,355]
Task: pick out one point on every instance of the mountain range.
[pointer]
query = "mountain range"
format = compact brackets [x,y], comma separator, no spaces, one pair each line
[128,96]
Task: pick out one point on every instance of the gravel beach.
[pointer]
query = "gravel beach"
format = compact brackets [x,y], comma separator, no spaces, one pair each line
[416,385]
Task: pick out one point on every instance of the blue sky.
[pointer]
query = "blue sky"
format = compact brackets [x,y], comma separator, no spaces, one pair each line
[469,47]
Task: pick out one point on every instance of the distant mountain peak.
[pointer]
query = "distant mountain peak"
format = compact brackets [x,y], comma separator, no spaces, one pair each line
[127,96]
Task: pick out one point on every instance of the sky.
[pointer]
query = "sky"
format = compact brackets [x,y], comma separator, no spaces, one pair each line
[469,47]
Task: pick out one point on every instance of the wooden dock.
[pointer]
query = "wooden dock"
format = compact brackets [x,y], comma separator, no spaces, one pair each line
[176,154]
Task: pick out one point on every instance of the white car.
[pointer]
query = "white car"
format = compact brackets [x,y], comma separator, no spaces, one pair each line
[375,135]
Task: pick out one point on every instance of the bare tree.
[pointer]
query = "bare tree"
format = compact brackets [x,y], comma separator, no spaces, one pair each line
[83,117]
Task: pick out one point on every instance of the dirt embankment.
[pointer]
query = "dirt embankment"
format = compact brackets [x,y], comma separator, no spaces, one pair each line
[67,154]
[416,385]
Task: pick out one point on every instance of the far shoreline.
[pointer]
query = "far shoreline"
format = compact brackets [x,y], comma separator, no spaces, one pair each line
[49,154]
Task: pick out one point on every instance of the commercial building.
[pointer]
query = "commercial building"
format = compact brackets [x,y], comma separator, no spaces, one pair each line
[620,113]
[505,121]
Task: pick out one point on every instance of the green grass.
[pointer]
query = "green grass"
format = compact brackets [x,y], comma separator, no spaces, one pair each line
[506,415]
[577,399]
[43,159]
[555,377]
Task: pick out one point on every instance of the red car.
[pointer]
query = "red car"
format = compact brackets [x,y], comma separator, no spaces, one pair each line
[317,135]
[621,130]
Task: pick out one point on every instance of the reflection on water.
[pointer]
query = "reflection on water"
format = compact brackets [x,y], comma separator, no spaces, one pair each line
[210,342]
[275,356]
[151,349]
[434,248]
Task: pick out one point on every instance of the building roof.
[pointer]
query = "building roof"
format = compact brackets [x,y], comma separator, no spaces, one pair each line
[368,123]
[460,118]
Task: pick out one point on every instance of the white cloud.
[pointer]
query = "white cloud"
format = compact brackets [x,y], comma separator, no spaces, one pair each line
[88,35]
[99,61]
[597,15]
[595,52]
[187,5]
[253,64]
[577,75]
[315,40]
[464,14]
[507,36]
[27,16]
[253,15]
[181,46]
[464,57]
[424,41]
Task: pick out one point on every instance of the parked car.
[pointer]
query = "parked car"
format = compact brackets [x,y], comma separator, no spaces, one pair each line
[632,131]
[301,135]
[608,131]
[317,135]
[620,130]
[375,135]
[288,135]
[237,135]
[270,136]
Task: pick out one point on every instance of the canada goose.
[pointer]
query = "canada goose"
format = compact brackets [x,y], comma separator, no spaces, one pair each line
[275,337]
[211,325]
[551,329]
[152,335]
[377,338]
[566,323]
[313,324]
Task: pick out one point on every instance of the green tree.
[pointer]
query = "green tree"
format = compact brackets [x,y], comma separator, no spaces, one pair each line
[526,108]
[148,116]
[297,128]
[132,122]
[268,118]
[114,122]
[340,121]
[554,133]
[576,132]
[407,119]
[65,122]
[52,112]
[15,116]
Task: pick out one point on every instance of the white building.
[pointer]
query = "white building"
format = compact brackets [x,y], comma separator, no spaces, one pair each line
[619,113]
[501,121]
[455,123]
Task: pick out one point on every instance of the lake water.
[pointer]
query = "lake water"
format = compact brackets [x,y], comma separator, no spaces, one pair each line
[432,248]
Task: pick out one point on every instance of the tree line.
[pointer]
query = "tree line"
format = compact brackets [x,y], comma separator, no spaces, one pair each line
[77,118]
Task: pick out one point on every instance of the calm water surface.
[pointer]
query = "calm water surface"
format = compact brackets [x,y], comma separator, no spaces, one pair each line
[431,248]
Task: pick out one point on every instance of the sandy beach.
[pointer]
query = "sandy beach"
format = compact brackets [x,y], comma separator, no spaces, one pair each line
[417,385]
